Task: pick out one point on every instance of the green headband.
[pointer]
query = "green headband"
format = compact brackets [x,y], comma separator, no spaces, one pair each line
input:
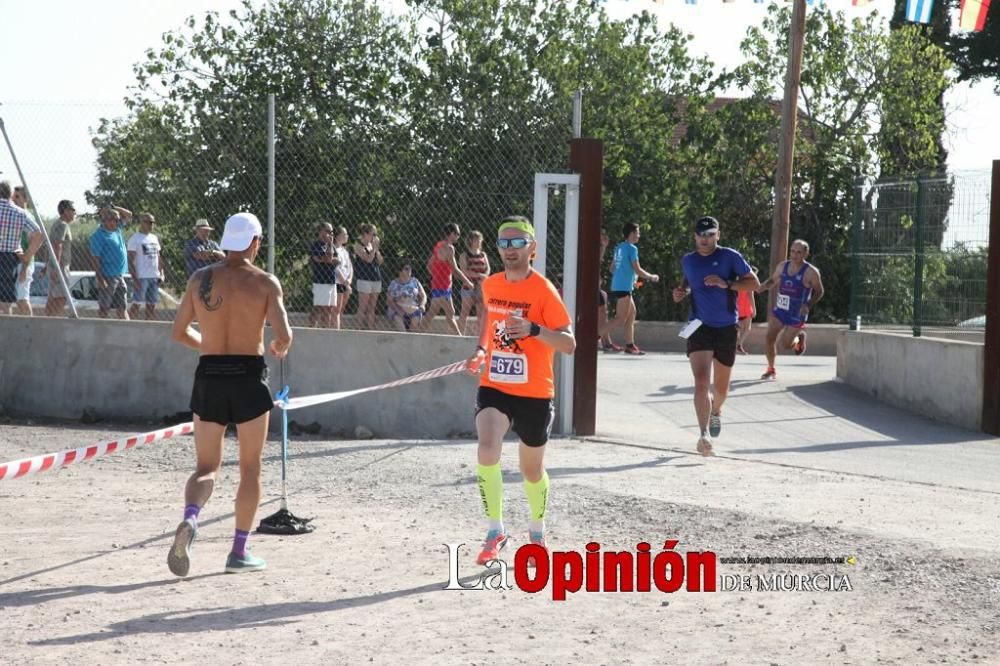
[520,225]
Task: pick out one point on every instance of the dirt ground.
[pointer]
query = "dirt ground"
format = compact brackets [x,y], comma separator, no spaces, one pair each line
[83,575]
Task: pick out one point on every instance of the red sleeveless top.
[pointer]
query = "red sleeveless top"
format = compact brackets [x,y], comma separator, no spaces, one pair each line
[440,269]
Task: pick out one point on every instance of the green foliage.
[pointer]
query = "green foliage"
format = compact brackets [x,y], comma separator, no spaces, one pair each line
[445,115]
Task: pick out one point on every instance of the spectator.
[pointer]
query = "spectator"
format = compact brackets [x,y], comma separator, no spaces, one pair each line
[476,266]
[61,238]
[14,259]
[22,287]
[145,263]
[323,257]
[108,254]
[369,273]
[201,250]
[406,298]
[345,274]
[442,265]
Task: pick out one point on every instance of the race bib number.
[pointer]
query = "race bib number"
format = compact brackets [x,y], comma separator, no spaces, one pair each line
[783,301]
[508,368]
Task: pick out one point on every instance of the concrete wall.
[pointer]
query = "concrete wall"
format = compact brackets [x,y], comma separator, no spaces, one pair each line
[938,378]
[133,370]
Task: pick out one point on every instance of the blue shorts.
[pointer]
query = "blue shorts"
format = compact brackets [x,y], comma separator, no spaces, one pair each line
[147,291]
[786,318]
[441,293]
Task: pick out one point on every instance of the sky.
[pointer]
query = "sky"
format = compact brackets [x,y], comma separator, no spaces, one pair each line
[62,78]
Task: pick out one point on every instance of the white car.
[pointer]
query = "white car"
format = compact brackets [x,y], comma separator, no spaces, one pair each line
[83,287]
[975,322]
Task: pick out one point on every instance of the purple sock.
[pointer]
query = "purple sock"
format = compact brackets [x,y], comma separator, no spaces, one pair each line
[191,511]
[240,543]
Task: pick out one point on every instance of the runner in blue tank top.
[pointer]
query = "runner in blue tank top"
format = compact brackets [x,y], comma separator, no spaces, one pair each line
[799,289]
[625,269]
[712,276]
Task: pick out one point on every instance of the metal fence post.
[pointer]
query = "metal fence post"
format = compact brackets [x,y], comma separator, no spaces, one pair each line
[918,266]
[853,306]
[271,244]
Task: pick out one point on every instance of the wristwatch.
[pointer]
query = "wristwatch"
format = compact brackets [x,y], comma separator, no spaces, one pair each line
[481,348]
[729,284]
[535,330]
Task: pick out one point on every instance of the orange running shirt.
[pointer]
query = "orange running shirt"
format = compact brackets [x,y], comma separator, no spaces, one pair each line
[521,367]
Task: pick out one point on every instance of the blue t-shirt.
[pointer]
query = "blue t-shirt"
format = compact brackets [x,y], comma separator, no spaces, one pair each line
[109,247]
[322,273]
[714,306]
[622,273]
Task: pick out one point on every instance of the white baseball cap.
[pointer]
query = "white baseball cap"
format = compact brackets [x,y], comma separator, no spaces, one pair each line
[240,231]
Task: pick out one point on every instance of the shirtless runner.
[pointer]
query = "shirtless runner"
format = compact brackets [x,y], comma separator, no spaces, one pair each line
[230,301]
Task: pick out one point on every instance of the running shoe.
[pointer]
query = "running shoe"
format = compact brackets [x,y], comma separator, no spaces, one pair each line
[179,557]
[705,446]
[769,374]
[245,562]
[495,542]
[714,424]
[611,348]
[635,351]
[539,539]
[800,343]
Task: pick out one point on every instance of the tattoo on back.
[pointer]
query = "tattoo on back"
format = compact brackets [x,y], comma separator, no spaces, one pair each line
[205,292]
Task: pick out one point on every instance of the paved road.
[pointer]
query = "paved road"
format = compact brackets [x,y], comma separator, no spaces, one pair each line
[806,418]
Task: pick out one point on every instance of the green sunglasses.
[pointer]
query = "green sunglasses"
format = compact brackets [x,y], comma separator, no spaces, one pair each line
[516,243]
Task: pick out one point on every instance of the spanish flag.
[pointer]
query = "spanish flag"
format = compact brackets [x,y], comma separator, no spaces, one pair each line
[972,15]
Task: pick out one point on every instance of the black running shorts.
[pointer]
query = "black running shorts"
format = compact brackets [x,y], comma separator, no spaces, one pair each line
[615,295]
[722,341]
[530,418]
[231,389]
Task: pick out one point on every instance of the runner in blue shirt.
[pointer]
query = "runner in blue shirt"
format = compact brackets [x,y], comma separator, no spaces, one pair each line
[624,270]
[799,289]
[712,276]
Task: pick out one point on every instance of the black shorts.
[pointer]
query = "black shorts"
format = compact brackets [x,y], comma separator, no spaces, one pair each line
[9,262]
[530,418]
[619,294]
[341,288]
[231,389]
[722,341]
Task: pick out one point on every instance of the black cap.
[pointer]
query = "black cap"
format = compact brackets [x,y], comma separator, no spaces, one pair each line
[706,224]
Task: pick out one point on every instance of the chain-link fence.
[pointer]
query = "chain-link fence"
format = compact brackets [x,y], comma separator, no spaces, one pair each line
[402,180]
[920,250]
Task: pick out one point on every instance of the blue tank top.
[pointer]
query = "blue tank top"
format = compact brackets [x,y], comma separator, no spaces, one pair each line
[792,293]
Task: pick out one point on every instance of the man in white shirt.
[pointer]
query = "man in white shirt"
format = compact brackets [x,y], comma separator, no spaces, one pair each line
[145,263]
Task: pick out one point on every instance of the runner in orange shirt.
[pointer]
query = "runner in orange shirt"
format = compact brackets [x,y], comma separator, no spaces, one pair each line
[524,324]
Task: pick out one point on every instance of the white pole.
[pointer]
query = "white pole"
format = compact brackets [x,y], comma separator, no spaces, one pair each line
[270,183]
[41,225]
[570,242]
[540,220]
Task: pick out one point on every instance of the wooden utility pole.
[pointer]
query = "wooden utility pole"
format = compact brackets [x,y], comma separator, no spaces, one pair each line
[786,141]
[991,361]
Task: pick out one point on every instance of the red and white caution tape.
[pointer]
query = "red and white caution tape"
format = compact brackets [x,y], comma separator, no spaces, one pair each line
[310,400]
[28,466]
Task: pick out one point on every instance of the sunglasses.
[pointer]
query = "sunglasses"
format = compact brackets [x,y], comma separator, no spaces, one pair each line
[708,234]
[516,243]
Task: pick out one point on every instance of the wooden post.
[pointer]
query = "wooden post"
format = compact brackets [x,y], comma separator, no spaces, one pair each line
[586,157]
[991,365]
[786,142]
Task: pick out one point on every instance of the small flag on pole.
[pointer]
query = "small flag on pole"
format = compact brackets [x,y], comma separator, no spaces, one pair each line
[972,15]
[919,11]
